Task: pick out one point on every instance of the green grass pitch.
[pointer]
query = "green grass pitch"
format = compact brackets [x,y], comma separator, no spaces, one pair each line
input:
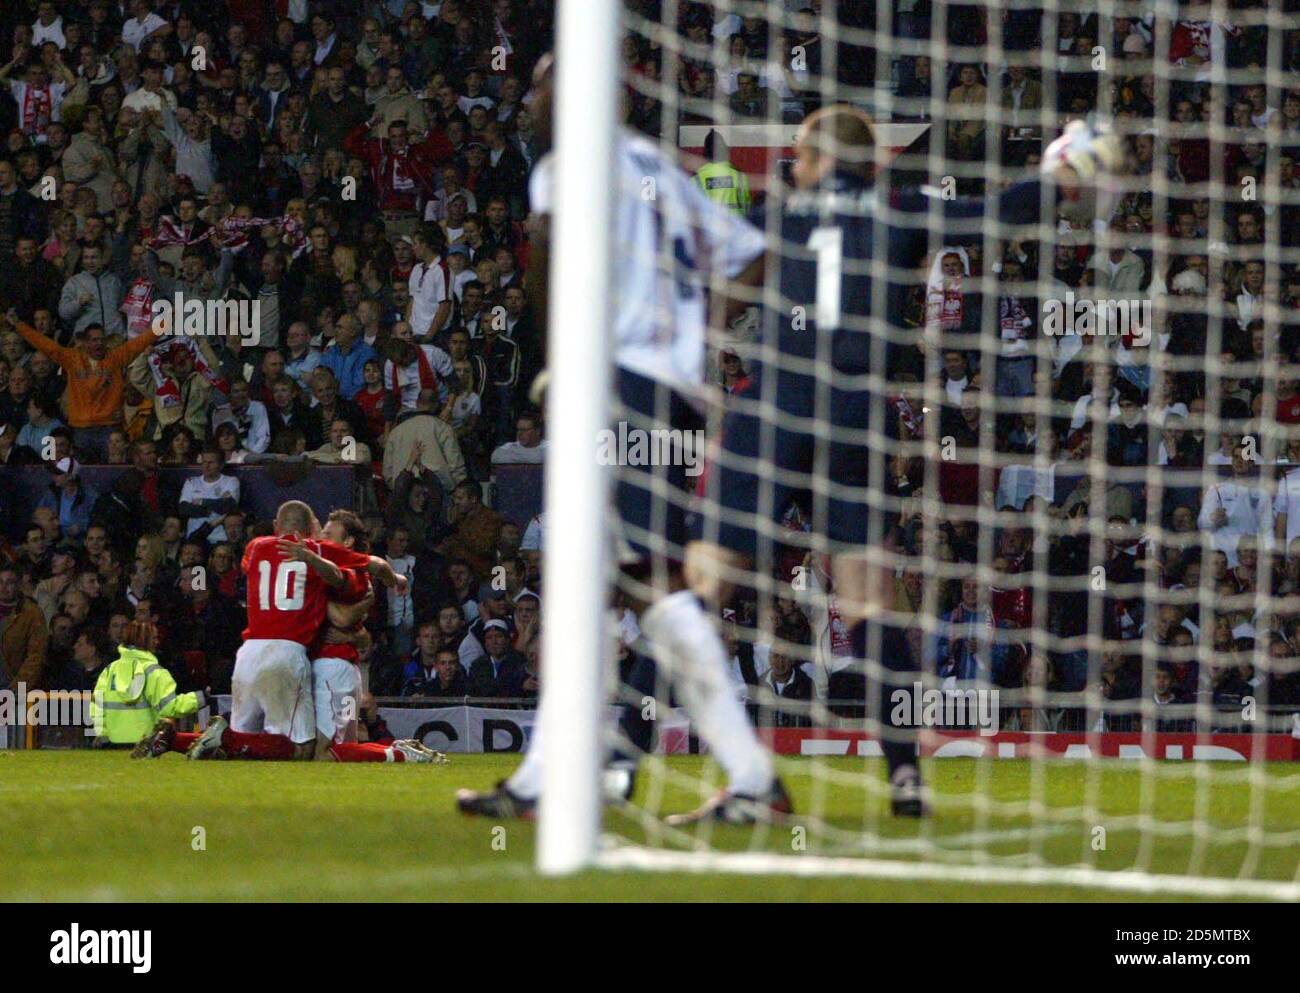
[97,826]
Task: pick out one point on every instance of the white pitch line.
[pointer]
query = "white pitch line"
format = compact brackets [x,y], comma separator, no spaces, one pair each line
[966,839]
[36,791]
[808,866]
[252,889]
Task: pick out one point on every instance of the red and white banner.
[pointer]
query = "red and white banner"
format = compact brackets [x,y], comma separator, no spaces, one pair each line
[757,149]
[1020,745]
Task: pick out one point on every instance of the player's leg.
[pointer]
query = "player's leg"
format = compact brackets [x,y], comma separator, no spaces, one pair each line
[525,783]
[635,732]
[680,633]
[217,742]
[739,497]
[862,569]
[337,690]
[165,738]
[515,797]
[685,638]
[299,725]
[720,555]
[864,590]
[406,750]
[158,742]
[280,683]
[689,651]
[676,625]
[247,738]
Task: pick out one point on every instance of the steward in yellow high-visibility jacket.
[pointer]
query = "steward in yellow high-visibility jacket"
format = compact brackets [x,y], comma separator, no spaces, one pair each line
[722,182]
[725,185]
[134,691]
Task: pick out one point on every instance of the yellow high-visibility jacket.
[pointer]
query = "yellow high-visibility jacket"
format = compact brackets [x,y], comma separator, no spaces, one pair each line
[724,184]
[132,693]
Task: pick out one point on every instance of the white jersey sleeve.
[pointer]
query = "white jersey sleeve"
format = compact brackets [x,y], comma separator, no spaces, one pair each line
[729,241]
[669,238]
[532,539]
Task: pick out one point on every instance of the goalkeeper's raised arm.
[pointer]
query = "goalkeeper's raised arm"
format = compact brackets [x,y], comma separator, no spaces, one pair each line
[835,151]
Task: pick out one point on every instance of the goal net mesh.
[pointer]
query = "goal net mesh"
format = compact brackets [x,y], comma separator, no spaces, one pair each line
[1082,449]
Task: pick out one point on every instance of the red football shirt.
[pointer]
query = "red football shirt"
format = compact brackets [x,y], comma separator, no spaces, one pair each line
[286,599]
[356,584]
[1288,411]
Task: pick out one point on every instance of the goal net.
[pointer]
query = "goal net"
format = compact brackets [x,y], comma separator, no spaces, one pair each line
[1079,452]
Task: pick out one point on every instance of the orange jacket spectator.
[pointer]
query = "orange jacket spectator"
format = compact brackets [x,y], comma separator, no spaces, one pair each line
[96,375]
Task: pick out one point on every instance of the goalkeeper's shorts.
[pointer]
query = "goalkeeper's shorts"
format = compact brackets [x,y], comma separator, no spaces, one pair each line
[805,450]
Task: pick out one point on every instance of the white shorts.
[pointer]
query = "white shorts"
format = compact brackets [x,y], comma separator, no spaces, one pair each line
[336,684]
[271,690]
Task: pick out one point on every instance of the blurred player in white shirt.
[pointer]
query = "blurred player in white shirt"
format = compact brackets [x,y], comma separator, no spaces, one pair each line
[668,246]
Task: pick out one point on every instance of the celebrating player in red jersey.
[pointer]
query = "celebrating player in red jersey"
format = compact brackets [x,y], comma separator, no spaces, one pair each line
[336,672]
[296,580]
[272,713]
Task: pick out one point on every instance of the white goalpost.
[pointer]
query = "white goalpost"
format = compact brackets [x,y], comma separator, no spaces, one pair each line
[577,408]
[1049,496]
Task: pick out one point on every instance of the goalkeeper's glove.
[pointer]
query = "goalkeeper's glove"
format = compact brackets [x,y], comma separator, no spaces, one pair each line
[1089,149]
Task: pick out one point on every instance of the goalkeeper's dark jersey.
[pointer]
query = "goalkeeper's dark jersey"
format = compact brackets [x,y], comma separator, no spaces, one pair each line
[805,433]
[835,229]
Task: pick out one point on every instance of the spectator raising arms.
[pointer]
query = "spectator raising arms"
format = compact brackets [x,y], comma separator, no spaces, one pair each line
[96,379]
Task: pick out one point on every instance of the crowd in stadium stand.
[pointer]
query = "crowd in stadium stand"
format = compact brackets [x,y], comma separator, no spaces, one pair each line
[359,170]
[1190,422]
[1175,582]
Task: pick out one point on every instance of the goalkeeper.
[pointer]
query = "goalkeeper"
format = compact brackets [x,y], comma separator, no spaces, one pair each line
[775,439]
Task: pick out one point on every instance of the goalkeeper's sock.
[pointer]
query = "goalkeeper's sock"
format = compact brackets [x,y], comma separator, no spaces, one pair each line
[689,646]
[182,740]
[899,744]
[248,745]
[365,751]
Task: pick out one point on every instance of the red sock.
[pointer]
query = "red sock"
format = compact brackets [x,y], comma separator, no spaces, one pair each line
[246,745]
[183,740]
[365,751]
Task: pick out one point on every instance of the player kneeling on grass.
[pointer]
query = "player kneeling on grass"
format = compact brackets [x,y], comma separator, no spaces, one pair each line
[336,663]
[272,709]
[335,683]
